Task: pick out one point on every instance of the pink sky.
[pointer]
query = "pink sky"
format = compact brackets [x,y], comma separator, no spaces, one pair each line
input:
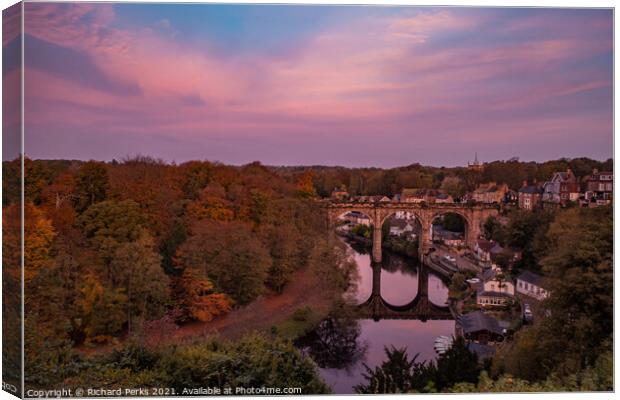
[374,86]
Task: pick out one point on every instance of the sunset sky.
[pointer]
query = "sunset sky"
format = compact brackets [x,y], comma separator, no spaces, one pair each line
[352,86]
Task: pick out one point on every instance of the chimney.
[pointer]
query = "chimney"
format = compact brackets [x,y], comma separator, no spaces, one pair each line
[594,171]
[569,173]
[524,184]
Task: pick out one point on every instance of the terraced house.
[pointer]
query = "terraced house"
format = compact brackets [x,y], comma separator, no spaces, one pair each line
[490,193]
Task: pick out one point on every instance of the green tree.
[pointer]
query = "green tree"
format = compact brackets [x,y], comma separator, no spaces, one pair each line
[457,364]
[394,375]
[109,224]
[136,268]
[494,230]
[398,374]
[252,361]
[579,275]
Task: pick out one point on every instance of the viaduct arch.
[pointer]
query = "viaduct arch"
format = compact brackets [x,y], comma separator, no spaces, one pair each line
[376,307]
[474,216]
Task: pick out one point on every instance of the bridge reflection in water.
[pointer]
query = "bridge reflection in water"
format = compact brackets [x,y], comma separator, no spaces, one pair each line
[421,308]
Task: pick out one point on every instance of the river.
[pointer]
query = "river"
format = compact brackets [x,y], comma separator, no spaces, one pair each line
[342,348]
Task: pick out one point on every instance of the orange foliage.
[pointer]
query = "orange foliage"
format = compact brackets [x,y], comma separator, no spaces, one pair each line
[57,202]
[211,205]
[152,184]
[305,184]
[38,237]
[198,297]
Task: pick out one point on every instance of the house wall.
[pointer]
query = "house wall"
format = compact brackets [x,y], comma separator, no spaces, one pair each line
[528,201]
[490,301]
[531,290]
[494,286]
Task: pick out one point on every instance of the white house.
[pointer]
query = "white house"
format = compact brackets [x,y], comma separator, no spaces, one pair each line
[404,215]
[399,227]
[530,284]
[482,250]
[494,289]
[356,218]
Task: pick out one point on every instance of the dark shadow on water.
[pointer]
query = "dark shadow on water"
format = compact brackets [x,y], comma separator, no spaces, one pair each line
[334,344]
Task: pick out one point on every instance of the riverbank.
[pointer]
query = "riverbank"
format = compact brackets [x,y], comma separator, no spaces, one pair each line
[285,313]
[303,303]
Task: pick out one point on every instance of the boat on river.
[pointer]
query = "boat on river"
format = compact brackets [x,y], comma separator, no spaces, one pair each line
[443,344]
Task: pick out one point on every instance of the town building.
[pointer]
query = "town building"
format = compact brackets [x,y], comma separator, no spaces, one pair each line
[480,328]
[494,289]
[340,193]
[489,252]
[562,187]
[511,197]
[530,284]
[476,165]
[529,196]
[425,195]
[443,198]
[482,249]
[371,199]
[448,238]
[490,193]
[398,227]
[356,218]
[408,215]
[599,187]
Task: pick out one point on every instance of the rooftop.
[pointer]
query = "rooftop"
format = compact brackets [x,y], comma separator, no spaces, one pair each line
[530,277]
[530,190]
[485,245]
[478,321]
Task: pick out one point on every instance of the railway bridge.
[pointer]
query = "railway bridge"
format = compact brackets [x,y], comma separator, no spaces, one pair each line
[474,216]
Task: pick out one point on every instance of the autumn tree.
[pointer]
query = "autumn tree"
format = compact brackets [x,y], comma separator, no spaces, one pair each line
[136,268]
[282,244]
[305,185]
[103,309]
[91,185]
[212,204]
[198,298]
[230,255]
[109,224]
[57,201]
[196,176]
[38,237]
[453,186]
[154,186]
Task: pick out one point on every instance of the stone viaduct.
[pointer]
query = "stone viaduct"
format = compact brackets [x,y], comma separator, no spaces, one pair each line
[425,214]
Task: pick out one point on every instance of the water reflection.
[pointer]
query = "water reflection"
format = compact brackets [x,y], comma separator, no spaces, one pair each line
[335,343]
[341,346]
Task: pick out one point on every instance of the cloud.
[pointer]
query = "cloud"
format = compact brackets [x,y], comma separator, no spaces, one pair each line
[432,74]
